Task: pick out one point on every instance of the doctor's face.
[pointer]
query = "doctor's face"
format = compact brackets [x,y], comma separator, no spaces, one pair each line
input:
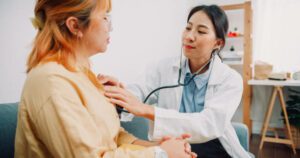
[199,37]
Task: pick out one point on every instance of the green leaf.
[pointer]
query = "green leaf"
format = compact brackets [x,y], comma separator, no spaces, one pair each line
[295,97]
[291,102]
[293,91]
[293,107]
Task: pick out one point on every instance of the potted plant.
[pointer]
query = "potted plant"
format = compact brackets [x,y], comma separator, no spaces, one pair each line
[293,110]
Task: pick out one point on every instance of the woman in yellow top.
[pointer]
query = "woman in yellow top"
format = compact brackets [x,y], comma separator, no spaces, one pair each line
[63,112]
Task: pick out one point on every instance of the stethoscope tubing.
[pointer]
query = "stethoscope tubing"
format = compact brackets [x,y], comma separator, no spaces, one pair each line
[120,109]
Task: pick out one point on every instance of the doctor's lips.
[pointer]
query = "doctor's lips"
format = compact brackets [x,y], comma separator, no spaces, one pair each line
[188,47]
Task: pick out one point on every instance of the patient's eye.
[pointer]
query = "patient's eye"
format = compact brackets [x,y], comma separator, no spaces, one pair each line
[107,18]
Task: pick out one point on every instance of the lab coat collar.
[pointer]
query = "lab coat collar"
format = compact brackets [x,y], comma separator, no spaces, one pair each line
[218,70]
[218,73]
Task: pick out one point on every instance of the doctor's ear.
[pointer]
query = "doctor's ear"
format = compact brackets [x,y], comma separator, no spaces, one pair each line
[219,44]
[72,24]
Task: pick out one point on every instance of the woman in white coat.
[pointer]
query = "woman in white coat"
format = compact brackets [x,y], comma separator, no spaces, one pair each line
[205,106]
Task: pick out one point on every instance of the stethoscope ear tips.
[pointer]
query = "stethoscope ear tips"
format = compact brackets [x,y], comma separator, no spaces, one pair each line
[217,50]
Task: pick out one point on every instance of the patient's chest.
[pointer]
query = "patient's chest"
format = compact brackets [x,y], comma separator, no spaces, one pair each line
[101,110]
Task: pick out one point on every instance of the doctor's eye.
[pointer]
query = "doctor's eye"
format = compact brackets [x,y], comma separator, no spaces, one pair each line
[201,32]
[188,28]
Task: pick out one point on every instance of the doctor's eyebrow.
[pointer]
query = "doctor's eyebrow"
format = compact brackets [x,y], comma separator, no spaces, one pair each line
[199,26]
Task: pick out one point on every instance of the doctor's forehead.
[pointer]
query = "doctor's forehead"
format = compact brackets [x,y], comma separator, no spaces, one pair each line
[200,19]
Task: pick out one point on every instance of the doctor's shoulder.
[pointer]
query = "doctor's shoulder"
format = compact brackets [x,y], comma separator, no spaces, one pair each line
[167,63]
[233,76]
[162,66]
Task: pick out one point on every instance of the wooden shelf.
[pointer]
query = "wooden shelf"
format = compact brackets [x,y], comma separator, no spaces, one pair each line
[247,57]
[233,62]
[240,36]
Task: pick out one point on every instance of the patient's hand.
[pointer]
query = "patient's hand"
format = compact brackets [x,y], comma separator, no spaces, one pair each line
[176,148]
[185,136]
[109,81]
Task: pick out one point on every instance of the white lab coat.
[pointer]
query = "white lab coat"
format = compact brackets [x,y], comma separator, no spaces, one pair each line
[223,95]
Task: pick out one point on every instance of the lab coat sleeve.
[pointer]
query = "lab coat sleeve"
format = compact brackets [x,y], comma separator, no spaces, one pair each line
[207,124]
[146,83]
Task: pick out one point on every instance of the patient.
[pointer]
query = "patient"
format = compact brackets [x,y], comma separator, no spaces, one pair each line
[63,112]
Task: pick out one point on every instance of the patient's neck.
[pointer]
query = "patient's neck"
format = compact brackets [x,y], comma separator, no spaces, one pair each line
[82,59]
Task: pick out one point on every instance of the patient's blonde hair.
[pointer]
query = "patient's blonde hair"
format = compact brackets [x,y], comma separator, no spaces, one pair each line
[54,42]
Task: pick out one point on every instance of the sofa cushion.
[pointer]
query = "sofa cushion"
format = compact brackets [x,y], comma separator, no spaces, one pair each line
[138,127]
[242,133]
[8,124]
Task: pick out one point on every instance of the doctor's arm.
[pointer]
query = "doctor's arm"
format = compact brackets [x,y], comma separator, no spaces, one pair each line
[207,124]
[203,126]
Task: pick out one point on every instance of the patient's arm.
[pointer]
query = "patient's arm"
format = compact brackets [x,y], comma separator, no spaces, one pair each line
[145,143]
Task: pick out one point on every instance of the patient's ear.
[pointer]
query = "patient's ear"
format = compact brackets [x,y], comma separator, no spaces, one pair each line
[72,24]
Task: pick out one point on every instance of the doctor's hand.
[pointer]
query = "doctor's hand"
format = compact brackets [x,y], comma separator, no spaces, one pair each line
[109,81]
[121,97]
[176,148]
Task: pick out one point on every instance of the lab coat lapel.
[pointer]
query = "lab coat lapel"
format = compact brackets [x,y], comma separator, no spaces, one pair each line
[217,76]
[178,90]
[218,72]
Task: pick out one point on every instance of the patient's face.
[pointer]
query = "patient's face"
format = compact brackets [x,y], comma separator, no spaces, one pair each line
[97,38]
[199,38]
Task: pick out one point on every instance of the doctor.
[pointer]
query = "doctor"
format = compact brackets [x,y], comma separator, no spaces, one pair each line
[205,106]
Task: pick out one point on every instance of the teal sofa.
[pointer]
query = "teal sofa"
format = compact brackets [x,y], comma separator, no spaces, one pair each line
[138,127]
[8,123]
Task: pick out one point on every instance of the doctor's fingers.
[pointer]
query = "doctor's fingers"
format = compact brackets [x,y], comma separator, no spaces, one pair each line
[117,96]
[109,80]
[119,103]
[102,79]
[114,89]
[110,88]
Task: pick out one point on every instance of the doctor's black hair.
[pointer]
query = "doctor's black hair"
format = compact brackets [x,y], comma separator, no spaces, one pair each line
[217,16]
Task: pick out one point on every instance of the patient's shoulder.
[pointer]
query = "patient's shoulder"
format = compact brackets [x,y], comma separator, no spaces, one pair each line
[47,79]
[50,68]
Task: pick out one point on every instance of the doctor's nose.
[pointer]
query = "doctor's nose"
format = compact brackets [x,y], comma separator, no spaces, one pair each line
[189,37]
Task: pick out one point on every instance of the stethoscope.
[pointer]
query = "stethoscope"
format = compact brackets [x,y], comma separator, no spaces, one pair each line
[120,109]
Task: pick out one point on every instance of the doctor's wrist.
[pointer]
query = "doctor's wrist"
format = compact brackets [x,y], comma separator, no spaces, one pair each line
[148,112]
